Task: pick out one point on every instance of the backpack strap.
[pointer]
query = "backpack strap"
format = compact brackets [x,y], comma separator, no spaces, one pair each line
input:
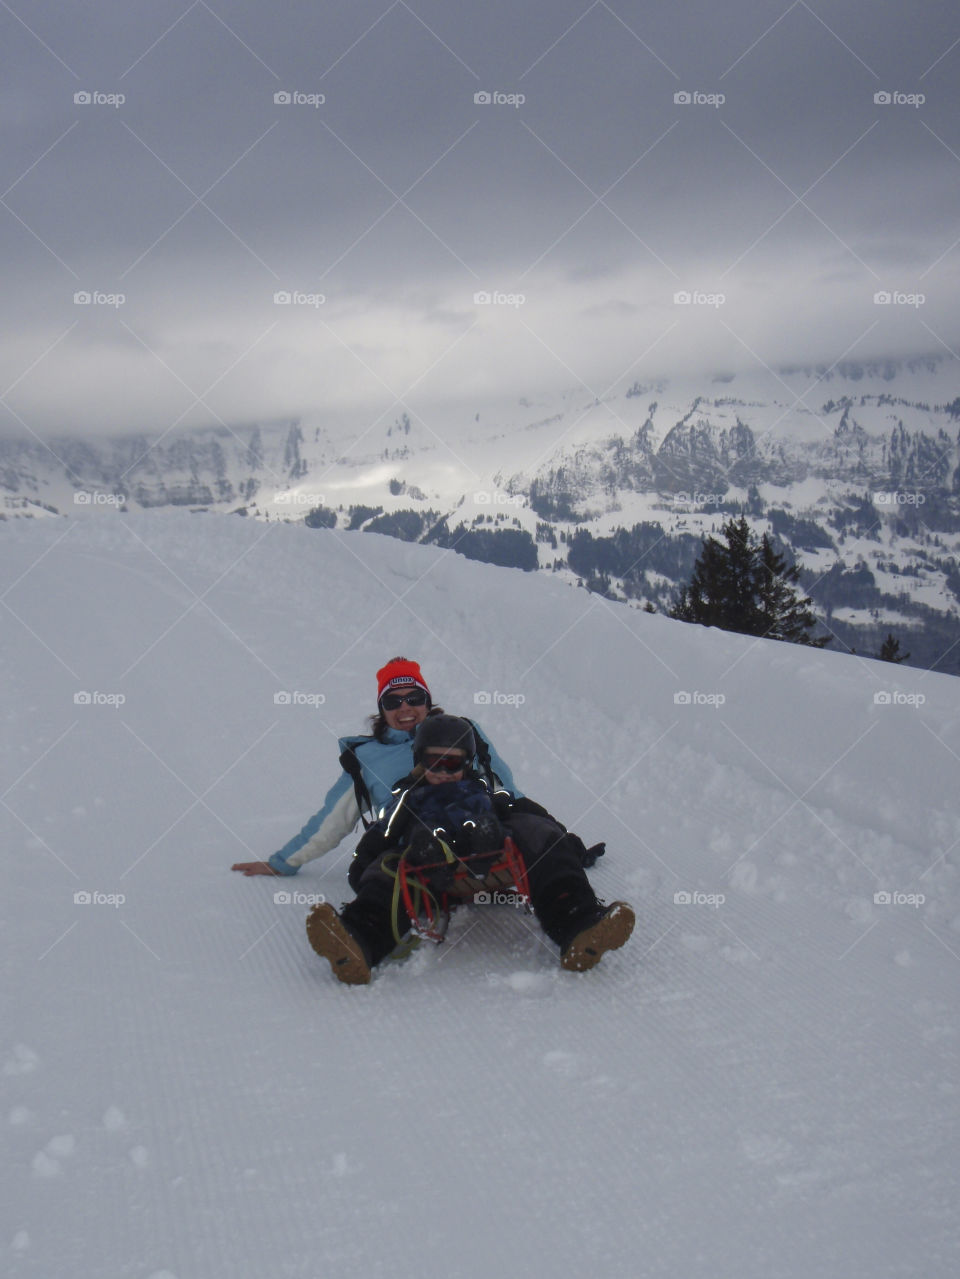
[483,755]
[351,765]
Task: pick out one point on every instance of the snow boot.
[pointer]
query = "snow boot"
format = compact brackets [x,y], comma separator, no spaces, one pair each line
[591,936]
[330,937]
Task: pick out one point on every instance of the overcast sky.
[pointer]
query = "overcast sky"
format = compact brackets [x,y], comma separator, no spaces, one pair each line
[582,197]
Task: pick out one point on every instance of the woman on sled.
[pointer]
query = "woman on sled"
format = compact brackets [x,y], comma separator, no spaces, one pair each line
[442,794]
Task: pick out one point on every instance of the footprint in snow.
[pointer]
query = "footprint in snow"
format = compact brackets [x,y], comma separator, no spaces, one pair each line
[860,910]
[46,1162]
[139,1156]
[20,1241]
[44,1166]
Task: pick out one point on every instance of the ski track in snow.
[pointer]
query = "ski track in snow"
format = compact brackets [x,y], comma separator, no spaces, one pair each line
[763,1083]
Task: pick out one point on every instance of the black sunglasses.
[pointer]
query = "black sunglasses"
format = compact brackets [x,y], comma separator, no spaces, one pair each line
[393,701]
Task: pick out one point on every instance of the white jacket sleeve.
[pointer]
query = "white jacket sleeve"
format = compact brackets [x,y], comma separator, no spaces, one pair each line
[341,820]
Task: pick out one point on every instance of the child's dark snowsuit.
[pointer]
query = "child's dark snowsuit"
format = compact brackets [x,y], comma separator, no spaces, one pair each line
[560,892]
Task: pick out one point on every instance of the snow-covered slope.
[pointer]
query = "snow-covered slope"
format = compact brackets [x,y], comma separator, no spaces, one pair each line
[763,1083]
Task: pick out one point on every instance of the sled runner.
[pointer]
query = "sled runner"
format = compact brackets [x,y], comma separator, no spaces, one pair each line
[430,891]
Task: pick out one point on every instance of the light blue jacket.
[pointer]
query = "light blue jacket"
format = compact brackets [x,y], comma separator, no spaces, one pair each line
[383,764]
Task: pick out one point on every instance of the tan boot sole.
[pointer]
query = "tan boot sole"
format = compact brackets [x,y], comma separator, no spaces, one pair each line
[329,937]
[608,933]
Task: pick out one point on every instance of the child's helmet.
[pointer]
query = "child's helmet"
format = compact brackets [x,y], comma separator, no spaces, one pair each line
[446,732]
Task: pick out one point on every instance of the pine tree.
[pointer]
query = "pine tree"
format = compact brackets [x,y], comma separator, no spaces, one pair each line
[785,615]
[890,651]
[720,592]
[745,586]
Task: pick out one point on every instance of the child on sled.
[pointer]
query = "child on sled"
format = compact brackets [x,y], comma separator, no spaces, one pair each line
[445,812]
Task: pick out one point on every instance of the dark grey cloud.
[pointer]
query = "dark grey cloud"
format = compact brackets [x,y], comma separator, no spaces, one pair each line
[585,189]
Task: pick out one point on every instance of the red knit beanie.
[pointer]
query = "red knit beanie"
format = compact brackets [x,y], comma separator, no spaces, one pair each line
[399,675]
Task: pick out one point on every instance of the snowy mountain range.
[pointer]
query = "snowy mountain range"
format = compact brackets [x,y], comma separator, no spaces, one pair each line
[855,468]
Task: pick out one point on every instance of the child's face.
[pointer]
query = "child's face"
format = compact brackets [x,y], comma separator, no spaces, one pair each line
[439,766]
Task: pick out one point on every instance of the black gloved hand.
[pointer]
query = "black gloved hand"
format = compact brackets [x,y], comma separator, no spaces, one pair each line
[424,848]
[590,855]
